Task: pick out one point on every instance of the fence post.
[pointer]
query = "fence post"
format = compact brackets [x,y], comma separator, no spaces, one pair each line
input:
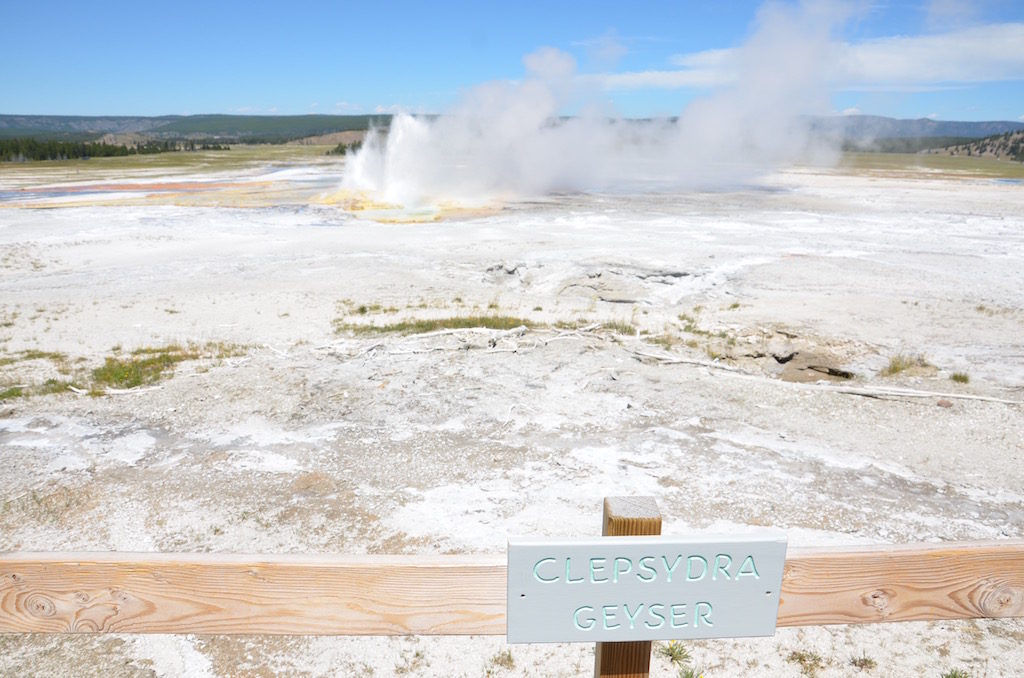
[627,516]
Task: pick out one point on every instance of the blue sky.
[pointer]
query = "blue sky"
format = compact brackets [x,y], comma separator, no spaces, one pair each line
[946,59]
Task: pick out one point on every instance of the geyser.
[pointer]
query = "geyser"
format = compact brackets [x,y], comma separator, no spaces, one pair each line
[508,140]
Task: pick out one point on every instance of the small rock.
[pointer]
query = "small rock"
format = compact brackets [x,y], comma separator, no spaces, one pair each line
[944,403]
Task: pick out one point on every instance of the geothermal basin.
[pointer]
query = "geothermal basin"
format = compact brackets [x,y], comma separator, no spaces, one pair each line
[321,396]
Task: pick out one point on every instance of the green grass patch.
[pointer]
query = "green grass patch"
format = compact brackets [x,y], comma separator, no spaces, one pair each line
[51,386]
[490,321]
[666,341]
[150,364]
[504,659]
[43,355]
[420,326]
[690,325]
[809,662]
[571,324]
[143,366]
[12,392]
[22,356]
[902,362]
[675,652]
[863,662]
[366,309]
[960,377]
[223,349]
[956,673]
[619,327]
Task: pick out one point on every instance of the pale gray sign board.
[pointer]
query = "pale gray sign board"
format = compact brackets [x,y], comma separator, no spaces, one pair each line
[613,589]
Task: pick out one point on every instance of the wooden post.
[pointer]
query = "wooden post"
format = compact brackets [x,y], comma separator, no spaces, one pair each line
[627,516]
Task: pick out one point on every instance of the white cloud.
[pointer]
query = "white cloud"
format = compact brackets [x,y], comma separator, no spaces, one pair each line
[549,63]
[606,49]
[902,88]
[981,54]
[946,13]
[709,58]
[987,53]
[853,110]
[1021,118]
[705,77]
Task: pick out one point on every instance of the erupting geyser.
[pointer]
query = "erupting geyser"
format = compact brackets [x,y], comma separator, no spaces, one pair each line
[510,139]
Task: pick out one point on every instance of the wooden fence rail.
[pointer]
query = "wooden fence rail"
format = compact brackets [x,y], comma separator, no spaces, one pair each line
[457,595]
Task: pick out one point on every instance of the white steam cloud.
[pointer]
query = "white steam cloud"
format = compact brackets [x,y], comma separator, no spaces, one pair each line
[507,139]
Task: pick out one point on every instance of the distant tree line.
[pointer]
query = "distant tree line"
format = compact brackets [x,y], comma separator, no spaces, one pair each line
[20,149]
[33,149]
[345,149]
[902,144]
[1016,150]
[1007,146]
[1010,145]
[208,146]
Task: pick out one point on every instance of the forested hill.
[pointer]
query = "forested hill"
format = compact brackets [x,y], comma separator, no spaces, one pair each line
[1008,146]
[75,126]
[252,128]
[867,127]
[854,130]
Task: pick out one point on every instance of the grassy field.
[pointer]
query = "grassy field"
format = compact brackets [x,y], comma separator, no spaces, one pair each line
[238,157]
[242,156]
[913,163]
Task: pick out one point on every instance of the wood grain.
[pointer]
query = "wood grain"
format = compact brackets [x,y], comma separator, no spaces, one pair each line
[205,593]
[457,595]
[627,516]
[903,583]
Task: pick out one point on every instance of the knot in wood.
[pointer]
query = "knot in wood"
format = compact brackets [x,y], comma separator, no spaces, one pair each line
[39,605]
[998,599]
[85,626]
[879,599]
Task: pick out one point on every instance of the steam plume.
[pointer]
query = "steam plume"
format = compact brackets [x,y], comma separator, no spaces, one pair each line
[506,139]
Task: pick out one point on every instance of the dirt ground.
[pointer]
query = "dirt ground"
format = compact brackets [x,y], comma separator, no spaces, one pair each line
[698,347]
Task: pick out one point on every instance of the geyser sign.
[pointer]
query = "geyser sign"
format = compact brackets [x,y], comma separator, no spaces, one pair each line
[613,589]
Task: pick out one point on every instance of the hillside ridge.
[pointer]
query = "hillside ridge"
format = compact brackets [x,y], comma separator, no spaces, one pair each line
[1006,146]
[283,128]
